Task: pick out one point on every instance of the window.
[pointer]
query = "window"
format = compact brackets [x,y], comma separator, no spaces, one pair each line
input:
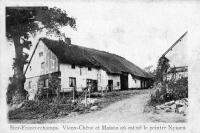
[42,65]
[30,68]
[117,83]
[46,83]
[72,82]
[40,54]
[73,66]
[89,68]
[29,84]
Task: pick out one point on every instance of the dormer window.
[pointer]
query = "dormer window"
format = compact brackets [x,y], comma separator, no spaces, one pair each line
[73,66]
[40,54]
[89,69]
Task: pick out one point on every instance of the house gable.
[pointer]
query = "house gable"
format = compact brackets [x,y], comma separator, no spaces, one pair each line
[43,61]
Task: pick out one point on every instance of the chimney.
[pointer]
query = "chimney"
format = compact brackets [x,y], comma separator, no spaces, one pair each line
[68,40]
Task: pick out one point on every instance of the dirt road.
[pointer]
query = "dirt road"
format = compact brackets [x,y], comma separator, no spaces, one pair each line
[128,110]
[131,110]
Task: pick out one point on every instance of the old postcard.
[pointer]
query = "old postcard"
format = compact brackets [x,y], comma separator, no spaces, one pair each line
[100,66]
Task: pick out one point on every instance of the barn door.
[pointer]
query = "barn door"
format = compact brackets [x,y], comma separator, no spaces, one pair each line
[110,85]
[94,84]
[124,81]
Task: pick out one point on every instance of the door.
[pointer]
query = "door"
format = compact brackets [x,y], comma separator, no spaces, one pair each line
[94,85]
[124,81]
[110,85]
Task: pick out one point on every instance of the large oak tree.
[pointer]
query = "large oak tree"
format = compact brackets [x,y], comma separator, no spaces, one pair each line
[21,24]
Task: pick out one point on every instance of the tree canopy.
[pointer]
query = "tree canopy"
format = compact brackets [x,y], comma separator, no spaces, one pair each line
[23,21]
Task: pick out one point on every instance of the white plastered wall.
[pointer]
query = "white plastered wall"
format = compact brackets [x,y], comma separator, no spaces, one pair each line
[133,82]
[115,79]
[82,74]
[35,70]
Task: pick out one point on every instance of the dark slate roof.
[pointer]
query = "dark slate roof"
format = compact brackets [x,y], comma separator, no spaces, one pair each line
[78,55]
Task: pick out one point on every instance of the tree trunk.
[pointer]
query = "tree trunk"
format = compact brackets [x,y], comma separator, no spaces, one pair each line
[19,77]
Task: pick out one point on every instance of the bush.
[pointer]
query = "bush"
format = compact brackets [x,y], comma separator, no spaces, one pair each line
[11,90]
[170,90]
[34,110]
[179,89]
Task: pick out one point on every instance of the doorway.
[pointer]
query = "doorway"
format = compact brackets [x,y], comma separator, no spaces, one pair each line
[124,81]
[93,84]
[110,85]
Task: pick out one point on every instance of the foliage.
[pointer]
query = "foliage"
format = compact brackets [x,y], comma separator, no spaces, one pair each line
[23,21]
[54,83]
[10,91]
[179,89]
[170,90]
[162,67]
[44,110]
[34,110]
[149,69]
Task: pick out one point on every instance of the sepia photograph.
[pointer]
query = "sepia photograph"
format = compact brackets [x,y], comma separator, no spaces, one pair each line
[98,62]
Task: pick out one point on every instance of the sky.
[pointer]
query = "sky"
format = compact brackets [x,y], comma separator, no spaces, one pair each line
[138,31]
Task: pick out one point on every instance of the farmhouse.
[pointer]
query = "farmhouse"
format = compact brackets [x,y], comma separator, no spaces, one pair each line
[73,66]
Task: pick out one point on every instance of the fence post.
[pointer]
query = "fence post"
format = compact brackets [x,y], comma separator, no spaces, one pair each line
[73,93]
[58,95]
[89,92]
[85,98]
[102,91]
[63,94]
[38,101]
[47,96]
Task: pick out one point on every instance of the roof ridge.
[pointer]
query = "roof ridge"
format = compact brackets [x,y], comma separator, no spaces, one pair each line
[91,57]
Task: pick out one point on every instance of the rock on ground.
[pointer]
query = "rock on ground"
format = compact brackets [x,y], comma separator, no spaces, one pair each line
[178,106]
[93,108]
[89,101]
